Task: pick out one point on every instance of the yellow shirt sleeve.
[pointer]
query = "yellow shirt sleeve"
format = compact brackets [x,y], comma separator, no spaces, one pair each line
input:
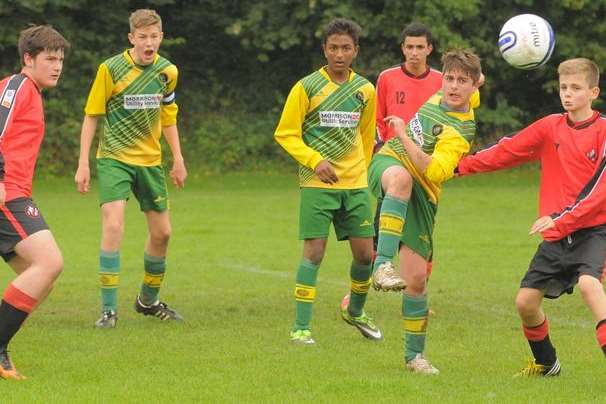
[169,108]
[368,122]
[289,133]
[450,148]
[100,92]
[474,101]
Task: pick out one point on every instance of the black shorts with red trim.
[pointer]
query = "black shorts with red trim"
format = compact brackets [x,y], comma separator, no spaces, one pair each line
[19,218]
[556,266]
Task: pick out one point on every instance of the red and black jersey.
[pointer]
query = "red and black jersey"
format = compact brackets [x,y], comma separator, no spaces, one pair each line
[401,93]
[573,168]
[21,133]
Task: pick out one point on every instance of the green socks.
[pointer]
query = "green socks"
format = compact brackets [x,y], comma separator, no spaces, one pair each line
[391,226]
[109,269]
[414,309]
[360,283]
[152,280]
[305,293]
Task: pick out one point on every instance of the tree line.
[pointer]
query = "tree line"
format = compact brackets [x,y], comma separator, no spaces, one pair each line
[238,59]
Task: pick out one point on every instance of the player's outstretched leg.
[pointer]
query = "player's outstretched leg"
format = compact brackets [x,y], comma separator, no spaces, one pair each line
[109,270]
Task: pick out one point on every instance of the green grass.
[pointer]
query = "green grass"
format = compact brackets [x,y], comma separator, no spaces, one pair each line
[231,272]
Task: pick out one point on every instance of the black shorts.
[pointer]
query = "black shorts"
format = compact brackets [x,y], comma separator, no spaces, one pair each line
[19,218]
[556,266]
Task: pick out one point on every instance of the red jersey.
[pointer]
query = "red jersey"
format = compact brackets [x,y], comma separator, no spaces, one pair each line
[401,94]
[21,133]
[573,167]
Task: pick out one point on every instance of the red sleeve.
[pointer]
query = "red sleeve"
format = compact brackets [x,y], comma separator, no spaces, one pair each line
[381,110]
[8,105]
[512,151]
[587,205]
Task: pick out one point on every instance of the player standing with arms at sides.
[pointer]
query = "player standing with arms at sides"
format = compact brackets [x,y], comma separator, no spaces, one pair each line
[135,92]
[409,171]
[328,126]
[571,148]
[26,243]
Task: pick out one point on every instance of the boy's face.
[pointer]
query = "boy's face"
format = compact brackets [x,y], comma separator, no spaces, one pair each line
[45,68]
[575,92]
[146,42]
[416,50]
[340,51]
[457,87]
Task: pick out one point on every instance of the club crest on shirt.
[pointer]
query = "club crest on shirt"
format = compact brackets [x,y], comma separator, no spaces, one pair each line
[8,98]
[592,155]
[437,129]
[163,78]
[32,211]
[360,97]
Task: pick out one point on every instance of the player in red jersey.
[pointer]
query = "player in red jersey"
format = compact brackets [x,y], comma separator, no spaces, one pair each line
[571,148]
[26,243]
[402,89]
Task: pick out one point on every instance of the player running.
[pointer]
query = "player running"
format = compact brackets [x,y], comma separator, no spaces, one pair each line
[26,243]
[571,148]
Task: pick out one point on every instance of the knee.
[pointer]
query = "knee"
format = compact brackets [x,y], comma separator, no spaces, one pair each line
[113,228]
[526,307]
[160,236]
[53,266]
[589,286]
[363,259]
[400,184]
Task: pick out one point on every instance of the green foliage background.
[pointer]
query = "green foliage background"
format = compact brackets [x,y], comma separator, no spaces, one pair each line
[238,60]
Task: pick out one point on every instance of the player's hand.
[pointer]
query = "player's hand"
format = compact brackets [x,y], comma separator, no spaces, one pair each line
[397,124]
[82,178]
[178,173]
[326,172]
[542,224]
[2,194]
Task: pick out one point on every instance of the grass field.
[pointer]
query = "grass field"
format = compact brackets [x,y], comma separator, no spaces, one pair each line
[231,274]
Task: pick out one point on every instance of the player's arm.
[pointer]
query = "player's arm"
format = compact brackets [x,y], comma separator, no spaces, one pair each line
[168,117]
[289,135]
[589,202]
[450,147]
[368,124]
[95,107]
[509,152]
[381,111]
[417,156]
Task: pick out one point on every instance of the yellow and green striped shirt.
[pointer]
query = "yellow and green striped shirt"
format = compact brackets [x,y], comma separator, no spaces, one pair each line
[445,135]
[323,120]
[137,101]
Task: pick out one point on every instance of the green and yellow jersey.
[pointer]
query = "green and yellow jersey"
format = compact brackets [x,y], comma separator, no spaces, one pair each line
[323,120]
[137,101]
[445,135]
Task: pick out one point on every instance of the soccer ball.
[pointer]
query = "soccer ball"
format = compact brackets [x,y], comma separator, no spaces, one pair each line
[526,41]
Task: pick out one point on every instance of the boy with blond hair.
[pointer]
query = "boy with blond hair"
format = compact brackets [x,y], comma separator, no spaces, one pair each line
[408,173]
[571,148]
[135,92]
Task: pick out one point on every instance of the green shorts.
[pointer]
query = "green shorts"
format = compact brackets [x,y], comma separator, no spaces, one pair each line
[118,179]
[421,212]
[348,209]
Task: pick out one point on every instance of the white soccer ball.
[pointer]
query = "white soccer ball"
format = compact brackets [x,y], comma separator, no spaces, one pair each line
[526,41]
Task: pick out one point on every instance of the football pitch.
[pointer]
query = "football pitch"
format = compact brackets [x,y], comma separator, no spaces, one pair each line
[231,269]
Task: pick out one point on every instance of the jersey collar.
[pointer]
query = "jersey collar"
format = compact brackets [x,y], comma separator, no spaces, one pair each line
[324,73]
[583,124]
[409,74]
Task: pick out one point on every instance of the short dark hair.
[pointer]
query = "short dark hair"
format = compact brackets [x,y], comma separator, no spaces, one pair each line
[342,26]
[38,38]
[416,29]
[463,60]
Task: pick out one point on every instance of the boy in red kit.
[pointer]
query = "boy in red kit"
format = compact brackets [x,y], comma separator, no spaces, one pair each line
[26,243]
[571,148]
